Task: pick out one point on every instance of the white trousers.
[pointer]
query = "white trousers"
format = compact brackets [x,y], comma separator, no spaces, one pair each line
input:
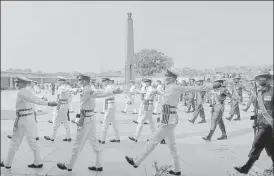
[146,115]
[87,132]
[163,132]
[132,105]
[157,105]
[109,117]
[141,111]
[26,127]
[61,116]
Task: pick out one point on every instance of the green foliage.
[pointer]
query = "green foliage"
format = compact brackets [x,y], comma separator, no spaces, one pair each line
[148,62]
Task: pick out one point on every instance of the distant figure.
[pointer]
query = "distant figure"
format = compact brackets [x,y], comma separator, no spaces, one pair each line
[53,88]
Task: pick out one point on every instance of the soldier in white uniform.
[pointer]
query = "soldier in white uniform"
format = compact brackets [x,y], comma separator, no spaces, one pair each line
[160,88]
[86,125]
[130,99]
[30,88]
[142,93]
[110,116]
[169,120]
[147,110]
[63,94]
[25,124]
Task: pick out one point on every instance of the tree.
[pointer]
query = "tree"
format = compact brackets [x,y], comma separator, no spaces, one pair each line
[148,62]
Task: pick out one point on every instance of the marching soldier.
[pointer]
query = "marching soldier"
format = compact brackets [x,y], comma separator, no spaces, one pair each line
[191,97]
[169,120]
[236,98]
[199,104]
[147,111]
[217,111]
[25,124]
[110,116]
[264,138]
[252,100]
[86,125]
[160,88]
[62,110]
[142,93]
[130,99]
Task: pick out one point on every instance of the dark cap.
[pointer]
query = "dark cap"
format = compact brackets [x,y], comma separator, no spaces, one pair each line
[83,76]
[170,73]
[237,77]
[219,79]
[20,78]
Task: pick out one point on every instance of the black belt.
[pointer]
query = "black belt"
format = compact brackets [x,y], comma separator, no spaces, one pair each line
[171,106]
[24,109]
[91,110]
[22,115]
[173,112]
[110,99]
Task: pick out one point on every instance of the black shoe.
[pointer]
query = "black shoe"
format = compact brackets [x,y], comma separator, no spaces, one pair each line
[207,138]
[102,112]
[135,121]
[228,118]
[130,161]
[134,113]
[223,137]
[241,170]
[123,112]
[96,169]
[68,140]
[37,138]
[3,165]
[101,142]
[50,121]
[174,173]
[35,166]
[115,140]
[9,136]
[132,138]
[237,119]
[163,142]
[146,123]
[191,121]
[154,113]
[202,121]
[62,166]
[245,168]
[48,138]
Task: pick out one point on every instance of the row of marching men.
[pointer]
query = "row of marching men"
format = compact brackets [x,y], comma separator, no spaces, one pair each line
[168,120]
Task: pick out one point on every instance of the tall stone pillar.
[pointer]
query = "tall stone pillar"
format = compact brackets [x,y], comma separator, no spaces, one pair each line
[11,83]
[129,65]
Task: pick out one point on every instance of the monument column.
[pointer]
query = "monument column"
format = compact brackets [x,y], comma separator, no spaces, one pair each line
[129,65]
[11,83]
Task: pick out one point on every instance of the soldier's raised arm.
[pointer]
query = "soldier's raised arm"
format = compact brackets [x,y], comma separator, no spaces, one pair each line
[29,97]
[102,94]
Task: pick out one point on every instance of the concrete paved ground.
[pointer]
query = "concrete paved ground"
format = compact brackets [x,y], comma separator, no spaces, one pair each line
[198,158]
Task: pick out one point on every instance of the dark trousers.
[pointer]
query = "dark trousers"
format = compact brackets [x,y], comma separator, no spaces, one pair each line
[199,110]
[263,140]
[190,103]
[217,118]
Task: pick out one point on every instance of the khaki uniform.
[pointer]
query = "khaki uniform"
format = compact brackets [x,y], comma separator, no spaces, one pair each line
[88,130]
[169,120]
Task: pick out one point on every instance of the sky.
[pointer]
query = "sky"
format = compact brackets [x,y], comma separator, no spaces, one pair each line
[88,36]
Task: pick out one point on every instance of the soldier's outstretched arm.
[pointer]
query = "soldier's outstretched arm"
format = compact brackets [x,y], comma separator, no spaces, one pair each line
[192,89]
[100,94]
[32,98]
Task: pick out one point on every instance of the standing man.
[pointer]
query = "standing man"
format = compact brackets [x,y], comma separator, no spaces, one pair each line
[130,99]
[110,116]
[62,109]
[264,138]
[25,124]
[160,88]
[217,111]
[147,111]
[169,120]
[199,104]
[237,97]
[86,125]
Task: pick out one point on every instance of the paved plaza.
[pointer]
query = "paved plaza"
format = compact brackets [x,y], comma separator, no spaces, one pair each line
[198,158]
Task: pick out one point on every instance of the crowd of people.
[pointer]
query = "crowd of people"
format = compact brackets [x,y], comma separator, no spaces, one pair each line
[159,99]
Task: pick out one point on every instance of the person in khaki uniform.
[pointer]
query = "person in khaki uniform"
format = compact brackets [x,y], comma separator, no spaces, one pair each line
[25,124]
[217,111]
[199,104]
[86,125]
[63,95]
[191,98]
[147,111]
[264,138]
[169,120]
